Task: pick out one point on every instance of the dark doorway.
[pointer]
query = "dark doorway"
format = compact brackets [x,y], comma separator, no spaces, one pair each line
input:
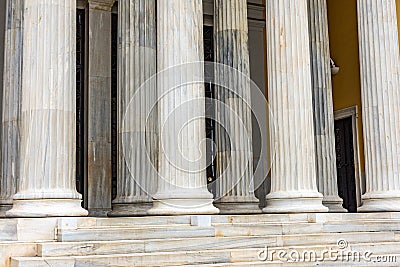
[80,101]
[208,37]
[345,163]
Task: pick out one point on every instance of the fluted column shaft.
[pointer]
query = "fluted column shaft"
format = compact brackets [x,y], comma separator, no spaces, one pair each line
[47,166]
[380,92]
[235,188]
[324,136]
[136,64]
[182,185]
[293,178]
[11,105]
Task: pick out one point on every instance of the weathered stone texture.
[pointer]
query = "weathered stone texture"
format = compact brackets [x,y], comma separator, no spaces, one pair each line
[137,136]
[293,178]
[323,105]
[235,185]
[380,93]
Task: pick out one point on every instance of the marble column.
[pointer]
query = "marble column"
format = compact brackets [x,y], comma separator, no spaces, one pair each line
[182,185]
[324,135]
[235,186]
[380,93]
[99,176]
[136,64]
[47,159]
[293,177]
[11,104]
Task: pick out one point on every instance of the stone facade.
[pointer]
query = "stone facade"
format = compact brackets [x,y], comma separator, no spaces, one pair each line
[162,162]
[161,141]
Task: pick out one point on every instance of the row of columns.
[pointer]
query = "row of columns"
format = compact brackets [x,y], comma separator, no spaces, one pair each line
[38,126]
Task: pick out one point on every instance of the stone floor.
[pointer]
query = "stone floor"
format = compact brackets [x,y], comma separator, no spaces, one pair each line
[221,240]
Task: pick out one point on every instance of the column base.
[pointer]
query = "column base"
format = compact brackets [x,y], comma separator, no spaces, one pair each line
[4,208]
[334,204]
[278,203]
[380,202]
[98,212]
[130,209]
[238,206]
[46,208]
[183,207]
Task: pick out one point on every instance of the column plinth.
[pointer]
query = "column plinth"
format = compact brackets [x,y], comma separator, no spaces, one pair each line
[235,193]
[182,187]
[380,94]
[293,178]
[321,81]
[47,159]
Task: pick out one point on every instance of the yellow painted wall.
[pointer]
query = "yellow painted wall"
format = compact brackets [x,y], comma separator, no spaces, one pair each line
[343,34]
[398,12]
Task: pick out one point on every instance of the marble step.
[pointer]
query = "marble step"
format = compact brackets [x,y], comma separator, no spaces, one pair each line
[365,226]
[139,259]
[353,217]
[42,262]
[152,232]
[243,229]
[174,231]
[262,218]
[327,263]
[57,249]
[389,260]
[313,217]
[220,230]
[91,222]
[193,258]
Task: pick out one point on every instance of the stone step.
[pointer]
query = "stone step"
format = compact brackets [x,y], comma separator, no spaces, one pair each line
[57,249]
[304,217]
[353,217]
[109,234]
[248,229]
[262,218]
[333,238]
[139,259]
[223,219]
[11,249]
[92,222]
[266,229]
[220,230]
[327,263]
[365,226]
[340,262]
[42,262]
[193,258]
